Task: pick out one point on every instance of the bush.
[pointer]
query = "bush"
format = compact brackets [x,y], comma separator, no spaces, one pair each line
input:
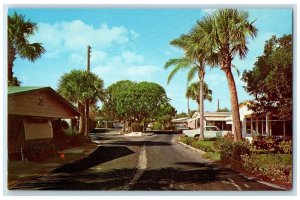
[224,146]
[285,147]
[277,166]
[230,151]
[70,131]
[136,127]
[187,140]
[239,149]
[267,143]
[157,126]
[40,150]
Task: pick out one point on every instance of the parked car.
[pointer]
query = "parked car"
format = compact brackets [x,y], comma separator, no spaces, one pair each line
[209,132]
[117,125]
[179,128]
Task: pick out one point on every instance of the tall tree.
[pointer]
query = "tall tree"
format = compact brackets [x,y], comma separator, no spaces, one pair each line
[270,80]
[78,86]
[192,92]
[135,102]
[225,33]
[19,31]
[195,58]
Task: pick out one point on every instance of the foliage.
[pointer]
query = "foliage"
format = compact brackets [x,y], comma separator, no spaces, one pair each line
[19,31]
[192,113]
[137,102]
[230,151]
[215,156]
[286,147]
[165,115]
[41,150]
[157,126]
[203,145]
[181,115]
[206,146]
[187,140]
[277,166]
[80,86]
[270,80]
[239,149]
[136,127]
[193,92]
[271,144]
[224,34]
[223,110]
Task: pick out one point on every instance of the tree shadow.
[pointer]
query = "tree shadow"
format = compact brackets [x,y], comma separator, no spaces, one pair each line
[139,143]
[101,155]
[198,178]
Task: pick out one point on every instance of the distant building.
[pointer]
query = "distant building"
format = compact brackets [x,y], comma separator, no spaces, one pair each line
[218,119]
[264,124]
[30,111]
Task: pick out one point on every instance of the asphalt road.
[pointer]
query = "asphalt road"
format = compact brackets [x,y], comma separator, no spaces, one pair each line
[152,162]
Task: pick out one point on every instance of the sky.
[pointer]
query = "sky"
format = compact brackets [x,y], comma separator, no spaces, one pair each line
[134,44]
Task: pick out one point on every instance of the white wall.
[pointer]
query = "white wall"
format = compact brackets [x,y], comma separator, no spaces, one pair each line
[37,130]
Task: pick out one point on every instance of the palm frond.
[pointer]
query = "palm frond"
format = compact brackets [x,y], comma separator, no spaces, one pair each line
[191,74]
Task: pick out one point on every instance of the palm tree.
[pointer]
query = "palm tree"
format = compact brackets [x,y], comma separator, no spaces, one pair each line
[192,92]
[225,33]
[194,60]
[80,86]
[19,31]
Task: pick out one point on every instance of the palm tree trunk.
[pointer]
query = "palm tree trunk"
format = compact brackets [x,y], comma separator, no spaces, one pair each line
[188,105]
[82,118]
[234,105]
[87,117]
[10,62]
[201,106]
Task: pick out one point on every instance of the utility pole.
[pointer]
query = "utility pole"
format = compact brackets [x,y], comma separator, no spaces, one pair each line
[218,106]
[87,105]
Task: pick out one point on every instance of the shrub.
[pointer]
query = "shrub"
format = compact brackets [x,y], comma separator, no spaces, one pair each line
[70,131]
[136,127]
[239,149]
[225,147]
[157,126]
[285,147]
[187,140]
[277,166]
[40,150]
[267,143]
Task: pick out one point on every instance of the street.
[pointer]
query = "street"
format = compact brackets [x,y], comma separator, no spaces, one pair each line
[152,162]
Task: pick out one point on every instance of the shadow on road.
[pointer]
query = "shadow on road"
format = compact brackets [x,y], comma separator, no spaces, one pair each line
[101,155]
[198,178]
[140,143]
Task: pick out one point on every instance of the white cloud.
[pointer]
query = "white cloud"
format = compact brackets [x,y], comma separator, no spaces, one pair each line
[131,58]
[209,11]
[76,35]
[127,65]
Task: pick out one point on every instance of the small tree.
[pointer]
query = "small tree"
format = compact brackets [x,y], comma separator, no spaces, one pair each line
[270,80]
[78,86]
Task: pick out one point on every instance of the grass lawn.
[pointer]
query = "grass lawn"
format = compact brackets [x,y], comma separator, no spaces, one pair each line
[214,156]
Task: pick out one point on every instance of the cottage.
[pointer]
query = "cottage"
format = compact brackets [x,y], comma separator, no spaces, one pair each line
[30,111]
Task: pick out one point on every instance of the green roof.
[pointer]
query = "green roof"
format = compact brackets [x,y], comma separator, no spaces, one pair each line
[15,89]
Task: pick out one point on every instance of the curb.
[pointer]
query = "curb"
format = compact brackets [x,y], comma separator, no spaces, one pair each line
[190,147]
[241,174]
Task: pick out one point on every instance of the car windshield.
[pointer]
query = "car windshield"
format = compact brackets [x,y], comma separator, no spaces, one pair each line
[211,129]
